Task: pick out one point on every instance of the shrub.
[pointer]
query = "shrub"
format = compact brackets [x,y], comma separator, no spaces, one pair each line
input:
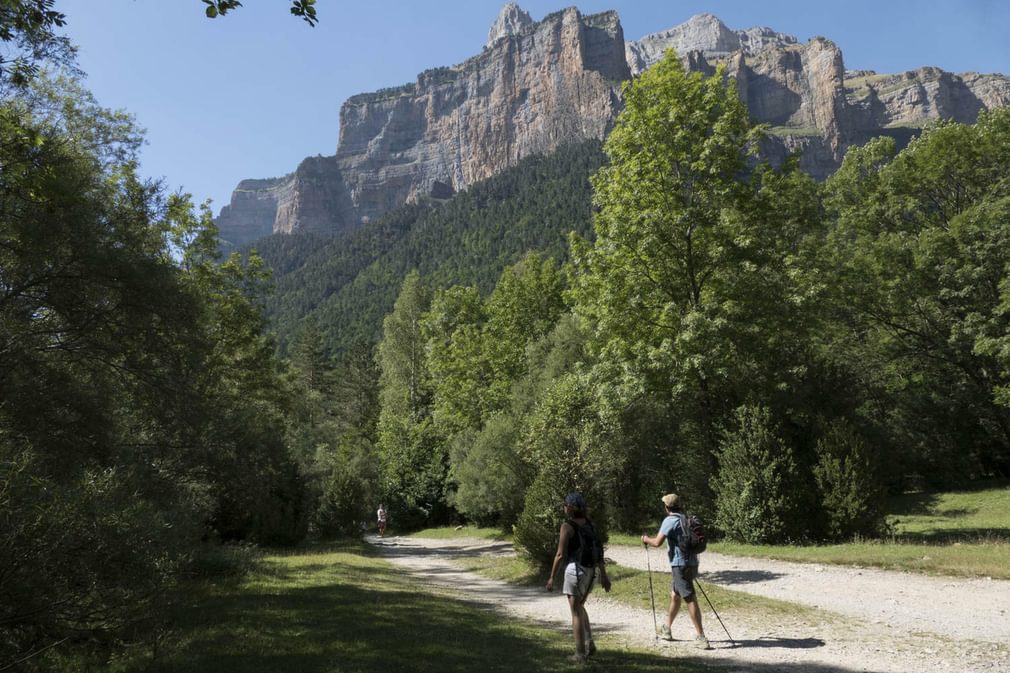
[489,477]
[758,487]
[848,483]
[347,500]
[572,440]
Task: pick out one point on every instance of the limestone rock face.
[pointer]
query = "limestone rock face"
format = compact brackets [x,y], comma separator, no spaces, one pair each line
[537,85]
[913,98]
[534,87]
[803,92]
[704,33]
[529,91]
[511,21]
[252,211]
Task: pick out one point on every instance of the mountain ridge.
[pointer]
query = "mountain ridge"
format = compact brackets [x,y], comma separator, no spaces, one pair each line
[539,84]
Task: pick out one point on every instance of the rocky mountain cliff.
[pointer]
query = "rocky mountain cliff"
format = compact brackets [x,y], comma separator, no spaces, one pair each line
[538,85]
[534,87]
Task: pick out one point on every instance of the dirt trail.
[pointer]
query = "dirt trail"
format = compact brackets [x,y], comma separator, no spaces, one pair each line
[873,621]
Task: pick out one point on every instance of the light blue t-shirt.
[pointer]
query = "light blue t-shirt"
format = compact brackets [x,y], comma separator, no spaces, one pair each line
[672,529]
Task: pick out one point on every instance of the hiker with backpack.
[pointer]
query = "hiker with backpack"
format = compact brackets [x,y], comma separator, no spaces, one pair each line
[683,547]
[581,551]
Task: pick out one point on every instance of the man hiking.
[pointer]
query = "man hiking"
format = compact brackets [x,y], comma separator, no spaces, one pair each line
[380,514]
[683,568]
[580,548]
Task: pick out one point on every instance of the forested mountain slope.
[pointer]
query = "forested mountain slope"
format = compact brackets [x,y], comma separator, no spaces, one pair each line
[348,282]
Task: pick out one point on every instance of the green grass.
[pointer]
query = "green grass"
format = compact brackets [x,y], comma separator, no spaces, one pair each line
[965,560]
[958,516]
[859,87]
[962,533]
[448,533]
[632,540]
[339,608]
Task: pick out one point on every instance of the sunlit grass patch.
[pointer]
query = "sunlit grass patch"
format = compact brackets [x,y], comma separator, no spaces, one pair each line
[964,516]
[453,532]
[980,559]
[962,533]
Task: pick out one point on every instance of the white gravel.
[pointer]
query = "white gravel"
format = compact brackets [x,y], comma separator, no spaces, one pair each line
[868,620]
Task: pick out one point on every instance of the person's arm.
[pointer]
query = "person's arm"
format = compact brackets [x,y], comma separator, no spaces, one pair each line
[654,541]
[562,553]
[604,580]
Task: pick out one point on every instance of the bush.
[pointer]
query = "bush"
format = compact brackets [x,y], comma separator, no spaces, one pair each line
[536,531]
[851,492]
[87,564]
[347,500]
[342,506]
[489,479]
[758,488]
[572,441]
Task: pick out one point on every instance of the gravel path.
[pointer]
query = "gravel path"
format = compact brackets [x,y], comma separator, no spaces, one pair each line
[870,621]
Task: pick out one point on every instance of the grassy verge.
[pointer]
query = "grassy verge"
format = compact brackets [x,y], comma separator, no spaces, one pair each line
[959,516]
[338,608]
[961,533]
[448,533]
[965,560]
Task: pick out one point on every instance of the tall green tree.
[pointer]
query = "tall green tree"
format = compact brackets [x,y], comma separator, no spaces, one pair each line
[456,354]
[918,259]
[690,281]
[139,407]
[412,456]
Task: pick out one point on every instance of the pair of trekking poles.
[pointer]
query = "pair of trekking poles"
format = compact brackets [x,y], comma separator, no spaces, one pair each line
[652,595]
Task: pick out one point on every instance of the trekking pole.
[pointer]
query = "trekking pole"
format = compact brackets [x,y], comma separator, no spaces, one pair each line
[732,642]
[652,594]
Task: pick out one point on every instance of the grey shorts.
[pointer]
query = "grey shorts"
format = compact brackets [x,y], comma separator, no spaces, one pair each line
[682,581]
[578,580]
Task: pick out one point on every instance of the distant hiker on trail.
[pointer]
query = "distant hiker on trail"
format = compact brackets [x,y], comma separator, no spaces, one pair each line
[683,568]
[381,515]
[580,548]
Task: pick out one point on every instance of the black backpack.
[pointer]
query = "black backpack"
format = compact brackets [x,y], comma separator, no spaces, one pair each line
[692,539]
[588,550]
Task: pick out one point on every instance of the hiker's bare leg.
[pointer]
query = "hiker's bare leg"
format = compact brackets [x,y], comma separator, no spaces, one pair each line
[587,628]
[577,624]
[694,612]
[674,608]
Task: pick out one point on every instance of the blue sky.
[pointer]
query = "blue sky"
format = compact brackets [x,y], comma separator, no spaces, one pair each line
[252,94]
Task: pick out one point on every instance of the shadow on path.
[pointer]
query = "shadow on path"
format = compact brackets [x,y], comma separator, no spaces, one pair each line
[740,576]
[786,643]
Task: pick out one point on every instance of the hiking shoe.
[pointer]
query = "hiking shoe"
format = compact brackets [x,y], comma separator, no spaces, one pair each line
[664,633]
[701,642]
[578,658]
[590,648]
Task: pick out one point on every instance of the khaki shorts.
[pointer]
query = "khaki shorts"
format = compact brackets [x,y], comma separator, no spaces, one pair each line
[578,580]
[682,582]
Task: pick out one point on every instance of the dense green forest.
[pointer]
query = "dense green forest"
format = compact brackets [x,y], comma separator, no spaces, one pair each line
[672,314]
[348,282]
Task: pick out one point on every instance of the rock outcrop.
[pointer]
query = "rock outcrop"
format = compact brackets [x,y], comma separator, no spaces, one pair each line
[537,85]
[803,92]
[512,20]
[704,33]
[534,87]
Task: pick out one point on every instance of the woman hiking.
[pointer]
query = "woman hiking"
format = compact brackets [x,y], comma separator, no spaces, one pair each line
[579,547]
